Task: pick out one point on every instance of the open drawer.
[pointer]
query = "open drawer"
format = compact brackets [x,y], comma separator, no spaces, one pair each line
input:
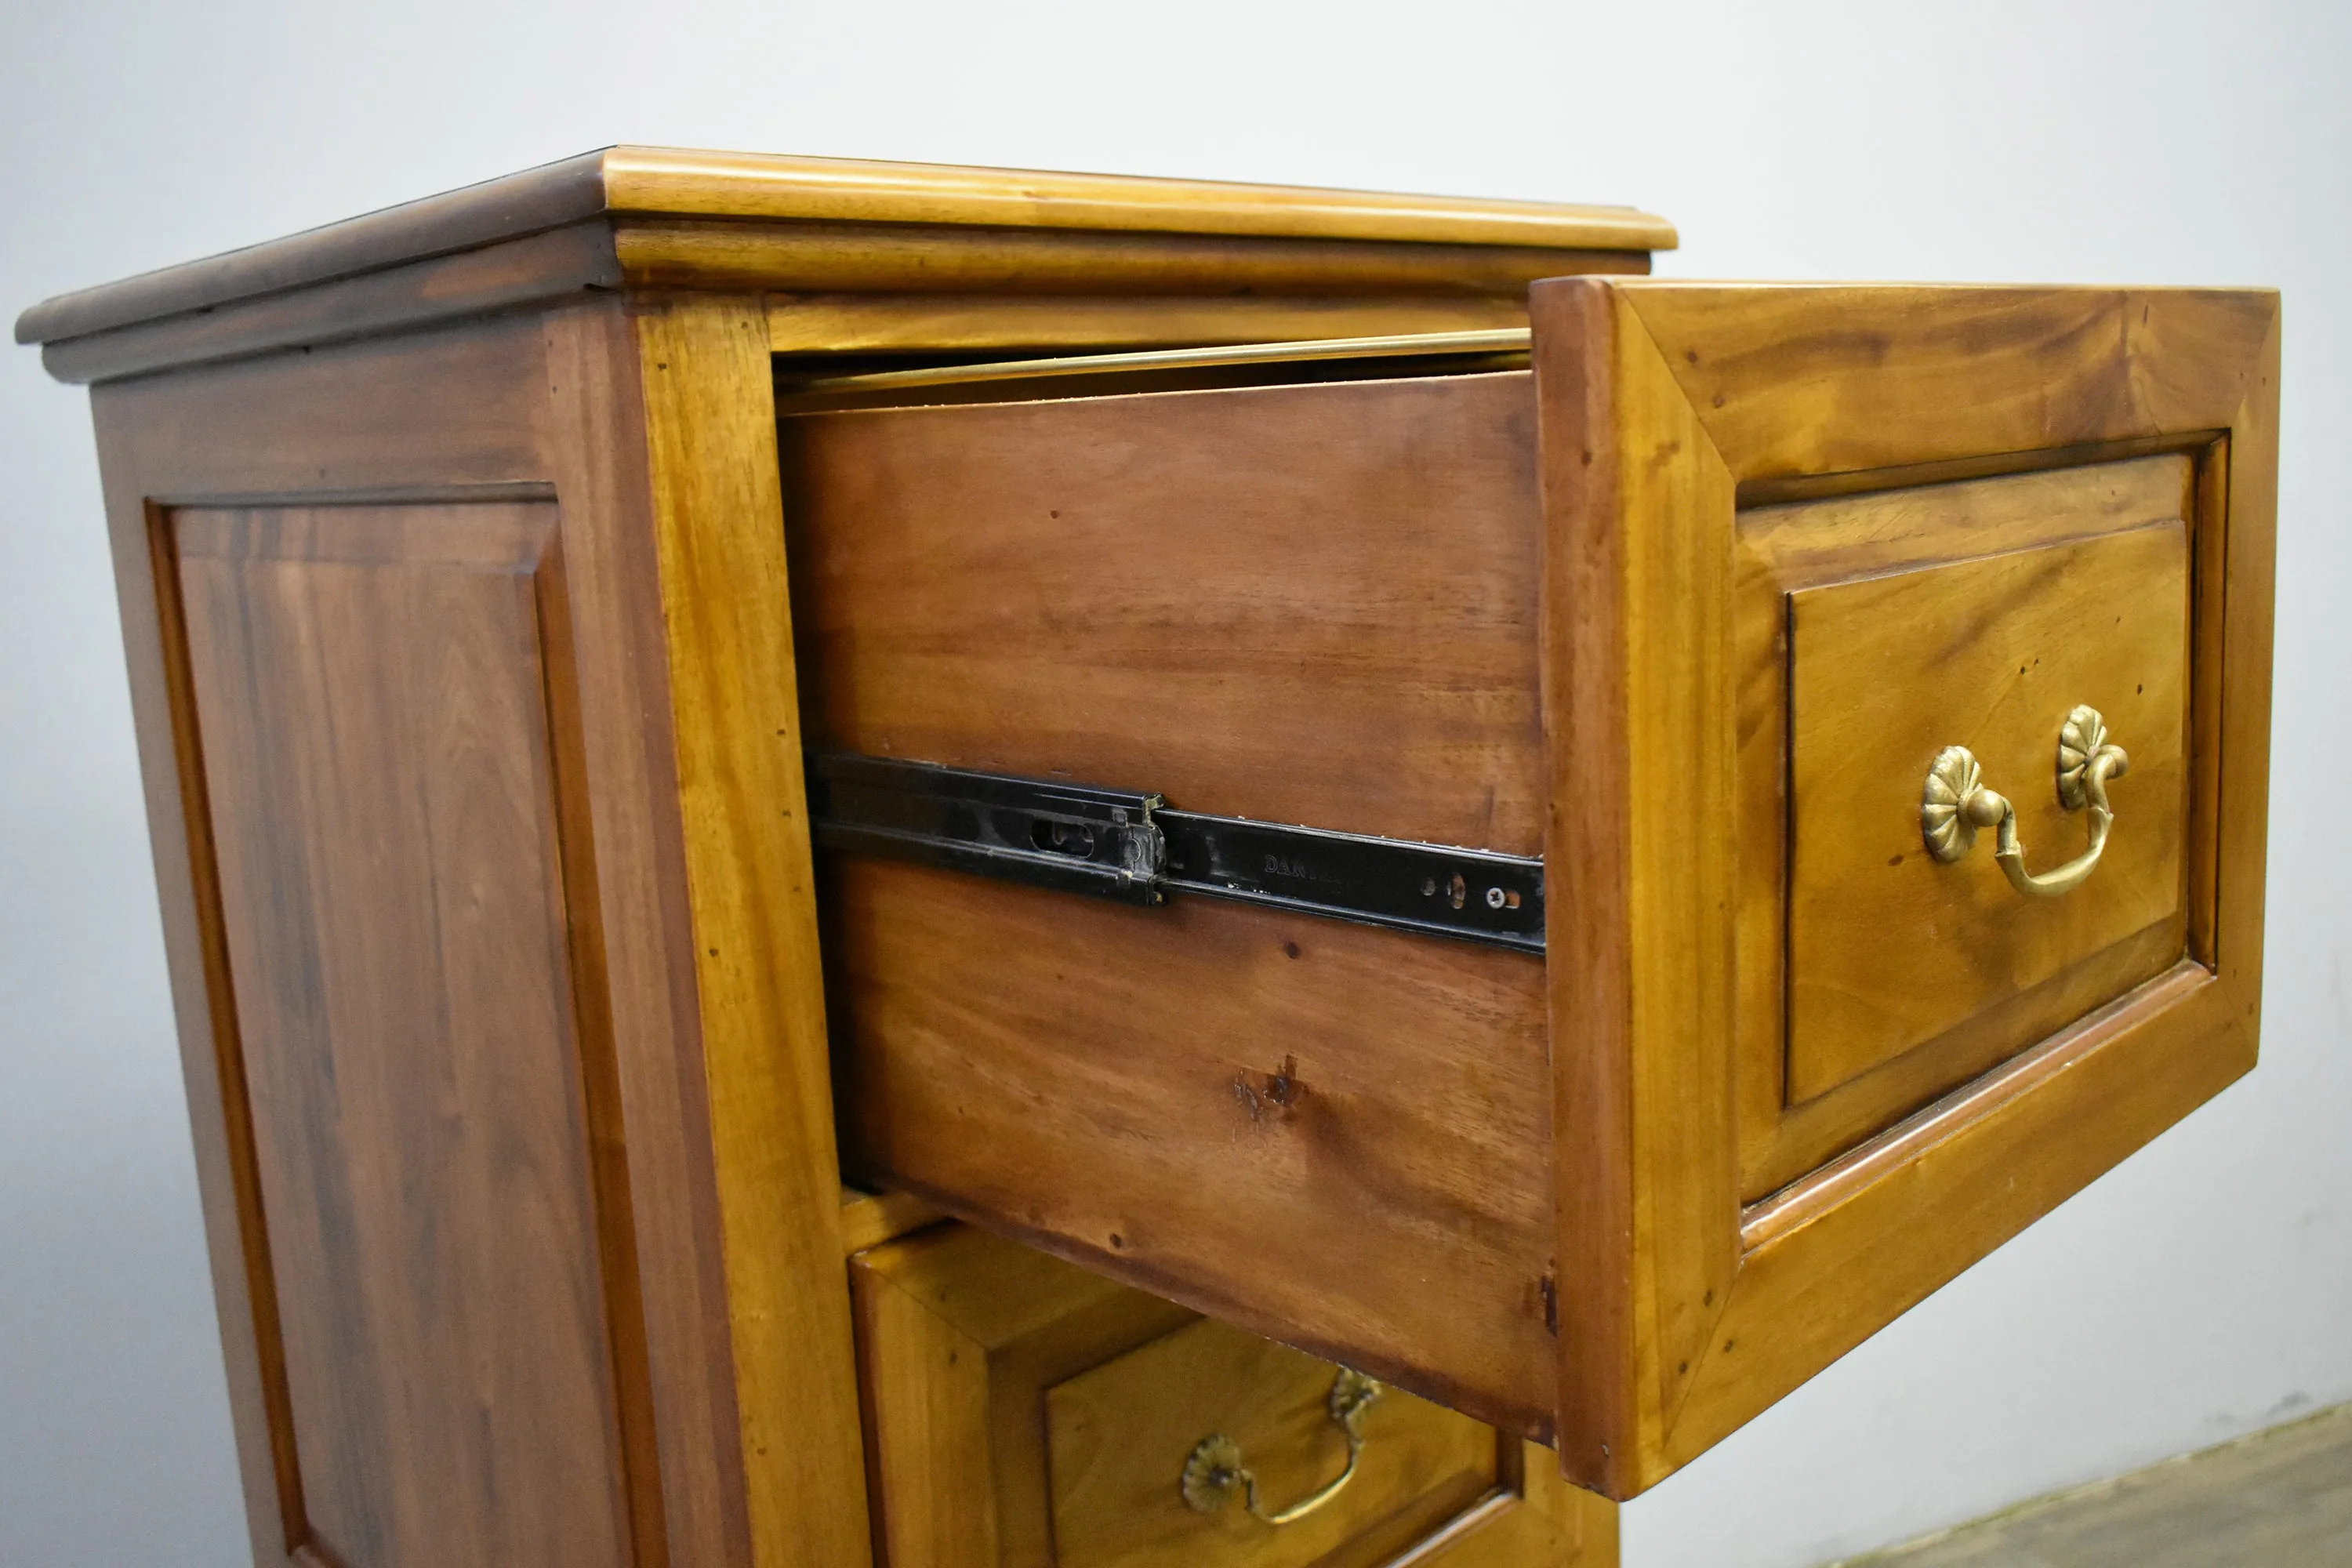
[1790,763]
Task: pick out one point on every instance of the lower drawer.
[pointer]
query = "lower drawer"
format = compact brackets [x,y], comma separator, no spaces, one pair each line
[1022,1413]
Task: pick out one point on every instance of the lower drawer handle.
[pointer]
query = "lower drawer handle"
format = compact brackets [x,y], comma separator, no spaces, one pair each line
[1215,1471]
[1956,804]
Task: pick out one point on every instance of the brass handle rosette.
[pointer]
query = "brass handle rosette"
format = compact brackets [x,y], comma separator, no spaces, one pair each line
[1956,804]
[1214,1471]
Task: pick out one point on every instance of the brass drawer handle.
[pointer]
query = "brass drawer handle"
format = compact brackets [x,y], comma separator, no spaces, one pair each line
[1215,1470]
[1956,804]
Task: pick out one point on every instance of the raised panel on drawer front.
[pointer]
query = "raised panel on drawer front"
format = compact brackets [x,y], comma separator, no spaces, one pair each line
[1888,949]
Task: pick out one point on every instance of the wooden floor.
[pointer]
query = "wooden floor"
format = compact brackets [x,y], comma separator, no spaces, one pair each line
[2280,1498]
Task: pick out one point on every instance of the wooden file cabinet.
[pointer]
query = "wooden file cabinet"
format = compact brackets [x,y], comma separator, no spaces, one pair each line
[1554,954]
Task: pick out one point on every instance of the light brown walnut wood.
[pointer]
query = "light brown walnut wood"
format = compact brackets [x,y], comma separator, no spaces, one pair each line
[472,526]
[869,1219]
[473,354]
[1118,1436]
[1300,604]
[1785,549]
[807,324]
[1015,1402]
[960,1333]
[1662,405]
[678,182]
[655,218]
[1305,603]
[1005,1054]
[750,887]
[1888,947]
[926,1388]
[547,415]
[897,258]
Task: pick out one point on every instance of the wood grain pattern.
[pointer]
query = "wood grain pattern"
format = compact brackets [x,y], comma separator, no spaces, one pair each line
[371,686]
[925,1383]
[960,1334]
[902,258]
[467,353]
[519,272]
[961,1459]
[1257,599]
[2038,369]
[1336,626]
[659,217]
[750,885]
[869,1219]
[1788,548]
[1888,948]
[1264,1152]
[1117,1438]
[594,447]
[929,323]
[1543,1524]
[1662,403]
[345,428]
[1640,997]
[677,182]
[517,411]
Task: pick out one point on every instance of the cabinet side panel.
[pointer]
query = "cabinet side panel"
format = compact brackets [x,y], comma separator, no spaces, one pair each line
[371,692]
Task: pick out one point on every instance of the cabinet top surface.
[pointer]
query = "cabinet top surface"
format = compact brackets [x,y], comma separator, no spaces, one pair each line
[649,184]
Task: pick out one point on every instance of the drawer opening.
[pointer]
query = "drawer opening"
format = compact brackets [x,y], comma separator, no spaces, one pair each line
[807,385]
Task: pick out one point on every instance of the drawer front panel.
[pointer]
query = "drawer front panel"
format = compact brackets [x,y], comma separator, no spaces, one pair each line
[1889,947]
[1873,612]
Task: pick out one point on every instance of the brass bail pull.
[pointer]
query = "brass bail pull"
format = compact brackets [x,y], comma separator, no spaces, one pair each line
[1956,804]
[1214,1471]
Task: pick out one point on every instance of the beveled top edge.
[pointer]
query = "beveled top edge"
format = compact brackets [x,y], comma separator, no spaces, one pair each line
[653,183]
[676,182]
[509,207]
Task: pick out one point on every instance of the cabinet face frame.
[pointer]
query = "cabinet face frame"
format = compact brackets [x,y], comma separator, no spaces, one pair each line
[1666,408]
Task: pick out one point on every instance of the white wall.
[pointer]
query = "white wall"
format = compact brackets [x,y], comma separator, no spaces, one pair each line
[2199,1290]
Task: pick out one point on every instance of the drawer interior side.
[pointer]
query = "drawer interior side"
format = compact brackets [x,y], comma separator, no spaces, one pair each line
[1305,603]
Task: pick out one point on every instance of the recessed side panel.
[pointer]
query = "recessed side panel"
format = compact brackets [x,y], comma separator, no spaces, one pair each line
[372,690]
[1890,943]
